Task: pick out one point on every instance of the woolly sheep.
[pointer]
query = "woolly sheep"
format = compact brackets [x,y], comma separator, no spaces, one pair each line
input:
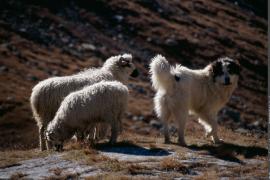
[102,102]
[47,95]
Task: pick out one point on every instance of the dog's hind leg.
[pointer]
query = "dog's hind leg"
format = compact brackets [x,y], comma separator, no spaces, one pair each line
[180,119]
[165,116]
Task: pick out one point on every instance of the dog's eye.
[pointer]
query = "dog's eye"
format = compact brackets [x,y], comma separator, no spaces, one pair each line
[234,69]
[177,78]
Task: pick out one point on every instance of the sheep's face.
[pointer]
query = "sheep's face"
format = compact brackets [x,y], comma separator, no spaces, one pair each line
[126,65]
[56,144]
[225,71]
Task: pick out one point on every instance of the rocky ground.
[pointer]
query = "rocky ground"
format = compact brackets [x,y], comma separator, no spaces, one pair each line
[140,157]
[47,38]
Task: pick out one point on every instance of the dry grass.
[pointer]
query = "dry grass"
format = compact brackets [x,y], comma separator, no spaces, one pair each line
[84,156]
[172,164]
[10,158]
[17,175]
[135,169]
[110,176]
[57,171]
[208,175]
[63,176]
[113,165]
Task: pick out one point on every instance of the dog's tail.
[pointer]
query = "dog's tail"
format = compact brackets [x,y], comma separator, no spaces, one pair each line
[160,71]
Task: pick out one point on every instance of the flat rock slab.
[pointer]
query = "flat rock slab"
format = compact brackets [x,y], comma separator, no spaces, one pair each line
[41,168]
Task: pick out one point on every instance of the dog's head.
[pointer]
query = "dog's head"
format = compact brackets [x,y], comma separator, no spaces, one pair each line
[225,71]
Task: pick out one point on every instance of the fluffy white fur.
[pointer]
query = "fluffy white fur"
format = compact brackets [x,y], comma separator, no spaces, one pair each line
[180,90]
[48,94]
[103,102]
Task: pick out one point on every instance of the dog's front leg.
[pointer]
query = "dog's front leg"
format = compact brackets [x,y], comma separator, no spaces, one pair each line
[214,128]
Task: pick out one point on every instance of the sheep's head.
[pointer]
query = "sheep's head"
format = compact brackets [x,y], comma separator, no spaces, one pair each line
[56,144]
[121,66]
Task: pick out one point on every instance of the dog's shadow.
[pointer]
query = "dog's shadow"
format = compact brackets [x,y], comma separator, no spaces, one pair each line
[131,149]
[229,152]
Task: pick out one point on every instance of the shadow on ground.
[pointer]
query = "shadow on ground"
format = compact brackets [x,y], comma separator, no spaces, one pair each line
[131,149]
[228,151]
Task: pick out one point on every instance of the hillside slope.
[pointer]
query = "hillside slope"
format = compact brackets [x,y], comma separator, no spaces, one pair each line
[40,40]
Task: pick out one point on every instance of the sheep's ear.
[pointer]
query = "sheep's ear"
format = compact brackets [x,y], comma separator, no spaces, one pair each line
[177,78]
[123,61]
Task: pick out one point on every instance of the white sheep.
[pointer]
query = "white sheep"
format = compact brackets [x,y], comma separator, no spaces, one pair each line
[47,95]
[103,102]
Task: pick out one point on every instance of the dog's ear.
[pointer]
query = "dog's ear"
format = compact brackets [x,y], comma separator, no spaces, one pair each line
[234,67]
[216,69]
[177,78]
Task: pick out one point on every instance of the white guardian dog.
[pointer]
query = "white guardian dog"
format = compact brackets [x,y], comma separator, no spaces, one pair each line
[203,92]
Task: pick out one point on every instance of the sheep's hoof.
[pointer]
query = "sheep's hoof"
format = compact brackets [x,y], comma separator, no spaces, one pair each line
[167,141]
[112,142]
[217,141]
[182,143]
[58,147]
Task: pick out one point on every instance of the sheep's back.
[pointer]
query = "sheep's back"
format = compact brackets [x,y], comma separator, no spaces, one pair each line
[48,94]
[98,102]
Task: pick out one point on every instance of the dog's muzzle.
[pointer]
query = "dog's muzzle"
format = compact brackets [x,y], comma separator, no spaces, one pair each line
[227,81]
[135,73]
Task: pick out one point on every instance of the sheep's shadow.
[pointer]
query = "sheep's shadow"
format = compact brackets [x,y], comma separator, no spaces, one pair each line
[228,151]
[131,149]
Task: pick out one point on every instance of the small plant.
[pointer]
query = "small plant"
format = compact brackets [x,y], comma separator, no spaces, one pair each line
[57,171]
[17,175]
[112,165]
[171,164]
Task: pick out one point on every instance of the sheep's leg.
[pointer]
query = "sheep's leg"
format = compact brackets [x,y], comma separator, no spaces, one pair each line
[79,136]
[114,132]
[48,143]
[42,138]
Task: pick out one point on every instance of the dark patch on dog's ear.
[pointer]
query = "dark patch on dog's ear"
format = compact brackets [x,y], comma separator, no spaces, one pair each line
[216,69]
[234,68]
[177,78]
